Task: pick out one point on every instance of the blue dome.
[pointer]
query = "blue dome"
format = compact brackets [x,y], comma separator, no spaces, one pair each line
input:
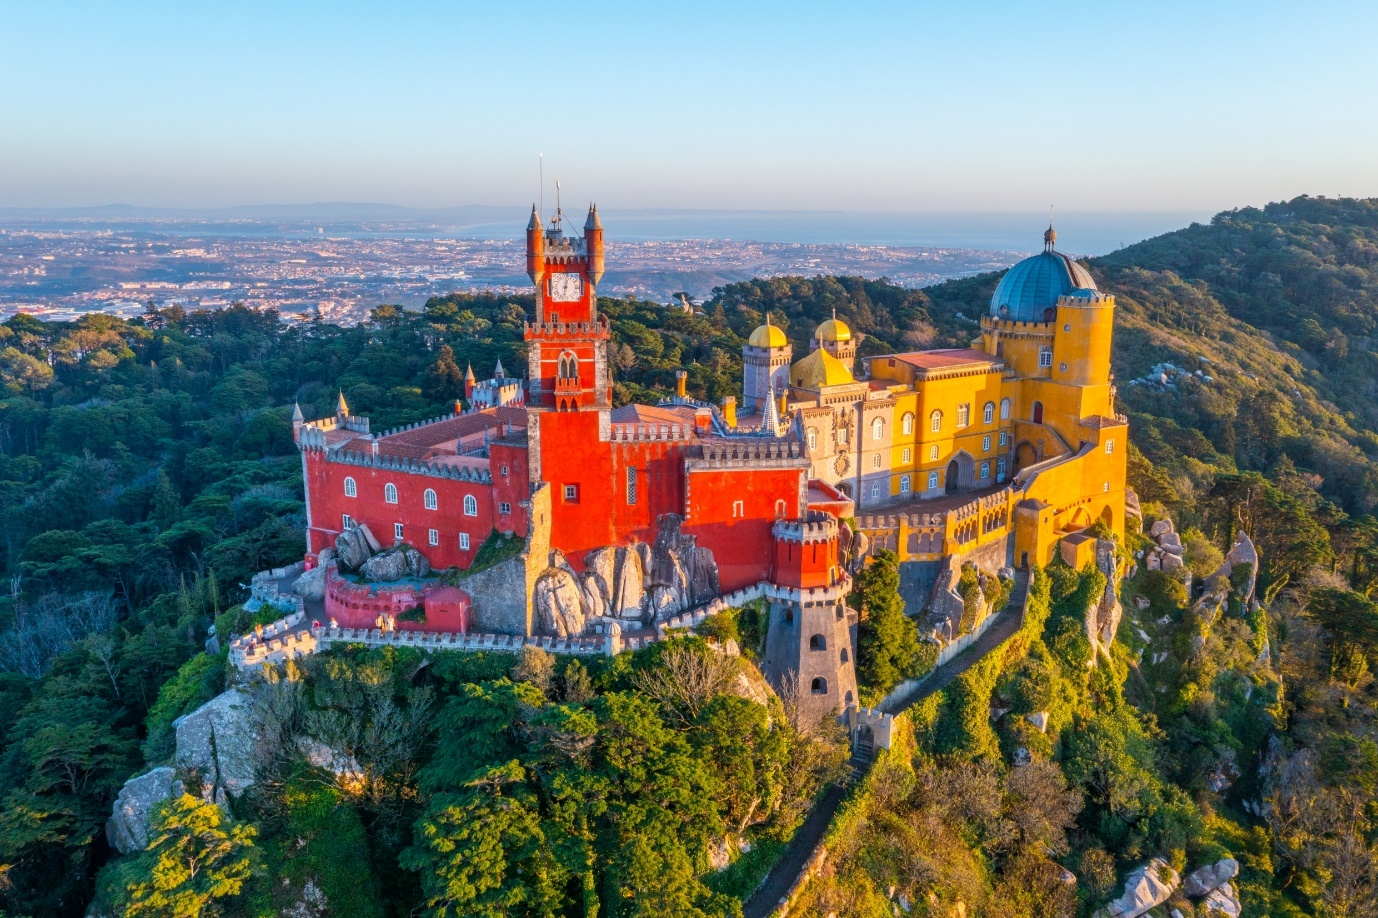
[1033,285]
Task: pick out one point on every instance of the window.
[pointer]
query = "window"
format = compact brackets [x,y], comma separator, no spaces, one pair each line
[1109,447]
[963,416]
[397,531]
[906,455]
[819,686]
[907,423]
[875,461]
[935,421]
[875,489]
[845,658]
[430,499]
[780,509]
[985,471]
[818,642]
[842,433]
[738,509]
[503,471]
[345,521]
[1045,356]
[1004,409]
[351,489]
[904,484]
[464,541]
[470,505]
[432,537]
[390,493]
[1106,489]
[932,481]
[877,429]
[985,443]
[568,367]
[813,439]
[631,486]
[988,413]
[1004,439]
[1000,469]
[932,453]
[504,508]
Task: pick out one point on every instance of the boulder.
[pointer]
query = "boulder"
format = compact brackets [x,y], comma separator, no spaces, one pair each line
[1204,879]
[1154,560]
[1103,618]
[1144,889]
[127,827]
[217,742]
[559,603]
[396,563]
[1160,528]
[628,589]
[601,566]
[1172,562]
[1221,902]
[311,584]
[1039,719]
[320,755]
[1171,543]
[703,576]
[666,602]
[595,602]
[354,546]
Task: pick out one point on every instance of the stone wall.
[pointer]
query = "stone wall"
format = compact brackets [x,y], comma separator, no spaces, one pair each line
[499,597]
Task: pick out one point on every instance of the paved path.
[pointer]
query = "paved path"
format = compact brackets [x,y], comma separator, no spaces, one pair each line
[786,871]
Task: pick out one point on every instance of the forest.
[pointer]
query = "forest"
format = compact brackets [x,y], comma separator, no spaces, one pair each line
[147,471]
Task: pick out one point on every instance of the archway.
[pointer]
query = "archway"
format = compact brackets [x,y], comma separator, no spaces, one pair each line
[1025,455]
[961,473]
[1107,516]
[1080,519]
[846,488]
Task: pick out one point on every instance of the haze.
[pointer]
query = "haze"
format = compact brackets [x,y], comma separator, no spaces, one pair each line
[863,107]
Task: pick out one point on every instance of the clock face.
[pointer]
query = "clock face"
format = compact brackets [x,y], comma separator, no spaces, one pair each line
[566,288]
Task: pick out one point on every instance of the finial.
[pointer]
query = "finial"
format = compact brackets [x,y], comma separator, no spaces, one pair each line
[469,373]
[1049,235]
[296,412]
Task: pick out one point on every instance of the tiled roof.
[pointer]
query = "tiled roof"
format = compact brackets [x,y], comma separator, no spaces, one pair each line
[946,358]
[419,441]
[653,414]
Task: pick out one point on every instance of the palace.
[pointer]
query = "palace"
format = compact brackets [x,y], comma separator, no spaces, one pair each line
[627,517]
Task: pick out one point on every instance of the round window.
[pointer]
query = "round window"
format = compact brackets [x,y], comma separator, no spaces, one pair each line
[1067,327]
[1062,367]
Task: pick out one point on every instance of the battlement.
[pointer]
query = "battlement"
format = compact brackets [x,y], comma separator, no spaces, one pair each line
[350,422]
[761,452]
[1010,326]
[413,466]
[284,639]
[816,526]
[559,246]
[562,330]
[647,433]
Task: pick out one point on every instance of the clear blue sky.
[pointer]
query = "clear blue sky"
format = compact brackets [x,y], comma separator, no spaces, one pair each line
[854,106]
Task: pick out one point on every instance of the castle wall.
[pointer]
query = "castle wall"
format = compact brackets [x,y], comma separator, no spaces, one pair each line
[731,511]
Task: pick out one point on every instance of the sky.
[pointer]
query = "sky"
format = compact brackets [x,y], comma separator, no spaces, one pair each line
[857,106]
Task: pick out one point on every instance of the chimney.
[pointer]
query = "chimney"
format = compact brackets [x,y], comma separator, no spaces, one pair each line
[681,383]
[729,411]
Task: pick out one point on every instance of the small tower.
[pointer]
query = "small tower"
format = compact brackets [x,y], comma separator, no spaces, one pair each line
[535,248]
[341,408]
[835,337]
[469,383]
[765,365]
[593,238]
[298,421]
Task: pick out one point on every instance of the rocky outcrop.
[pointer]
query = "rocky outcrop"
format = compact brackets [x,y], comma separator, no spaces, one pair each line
[311,584]
[945,604]
[396,563]
[1103,618]
[1221,902]
[558,602]
[127,828]
[1144,889]
[217,743]
[1166,555]
[354,546]
[1201,881]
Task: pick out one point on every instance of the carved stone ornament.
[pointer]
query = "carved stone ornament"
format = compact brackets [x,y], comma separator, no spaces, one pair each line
[841,465]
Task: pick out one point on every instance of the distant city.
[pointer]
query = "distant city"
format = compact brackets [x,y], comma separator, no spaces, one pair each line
[61,265]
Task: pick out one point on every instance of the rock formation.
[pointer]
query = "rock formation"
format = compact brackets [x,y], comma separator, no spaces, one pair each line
[1144,889]
[354,546]
[1103,618]
[395,563]
[1166,555]
[311,584]
[559,603]
[1201,881]
[217,743]
[127,828]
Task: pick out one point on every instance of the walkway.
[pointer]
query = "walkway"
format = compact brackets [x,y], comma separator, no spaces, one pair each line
[776,887]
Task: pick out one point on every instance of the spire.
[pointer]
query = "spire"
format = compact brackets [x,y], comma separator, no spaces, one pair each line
[771,422]
[535,222]
[1050,234]
[297,416]
[498,371]
[341,407]
[469,374]
[593,223]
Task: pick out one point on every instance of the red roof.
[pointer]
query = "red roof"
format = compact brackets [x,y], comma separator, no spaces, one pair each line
[419,441]
[946,358]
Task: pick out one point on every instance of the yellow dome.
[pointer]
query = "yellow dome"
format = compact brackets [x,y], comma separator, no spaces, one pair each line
[768,336]
[819,369]
[833,330]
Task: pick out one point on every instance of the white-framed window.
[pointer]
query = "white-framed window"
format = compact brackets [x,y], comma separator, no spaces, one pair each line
[571,496]
[390,493]
[932,453]
[503,470]
[432,536]
[504,508]
[780,509]
[988,413]
[877,429]
[631,486]
[397,531]
[738,509]
[1004,439]
[842,433]
[985,443]
[875,461]
[963,416]
[1109,447]
[904,484]
[906,455]
[932,481]
[907,423]
[351,489]
[1045,356]
[430,499]
[470,505]
[813,439]
[464,541]
[935,421]
[1106,489]
[1004,409]
[1000,469]
[875,489]
[346,521]
[985,470]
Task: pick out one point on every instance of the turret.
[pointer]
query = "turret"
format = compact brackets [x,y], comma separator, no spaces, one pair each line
[593,240]
[341,408]
[469,382]
[298,421]
[535,248]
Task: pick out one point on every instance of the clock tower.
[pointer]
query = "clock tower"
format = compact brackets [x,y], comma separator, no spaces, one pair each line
[567,344]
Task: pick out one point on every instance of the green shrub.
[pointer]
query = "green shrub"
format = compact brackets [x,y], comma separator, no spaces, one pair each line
[197,681]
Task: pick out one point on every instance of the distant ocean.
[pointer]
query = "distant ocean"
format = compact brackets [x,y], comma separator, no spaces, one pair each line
[1079,232]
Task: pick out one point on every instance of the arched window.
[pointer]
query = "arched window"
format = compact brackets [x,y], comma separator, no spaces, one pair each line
[935,421]
[813,439]
[430,499]
[963,415]
[904,484]
[1000,469]
[985,470]
[819,686]
[875,489]
[906,454]
[988,414]
[908,423]
[569,366]
[877,429]
[1004,409]
[875,461]
[932,481]
[470,505]
[845,657]
[818,642]
[780,509]
[351,489]
[390,493]
[1037,413]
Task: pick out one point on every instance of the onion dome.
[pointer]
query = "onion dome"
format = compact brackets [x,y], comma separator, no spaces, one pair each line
[1034,284]
[768,336]
[833,330]
[819,369]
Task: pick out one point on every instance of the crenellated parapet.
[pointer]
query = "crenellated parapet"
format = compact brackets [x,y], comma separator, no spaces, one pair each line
[817,526]
[649,433]
[747,452]
[559,332]
[480,475]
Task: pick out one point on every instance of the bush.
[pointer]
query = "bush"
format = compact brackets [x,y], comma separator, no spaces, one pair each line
[197,681]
